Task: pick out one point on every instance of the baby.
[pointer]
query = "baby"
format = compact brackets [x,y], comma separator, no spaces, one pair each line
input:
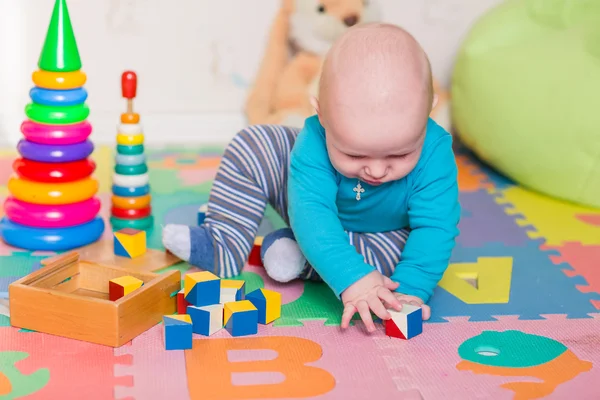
[368,187]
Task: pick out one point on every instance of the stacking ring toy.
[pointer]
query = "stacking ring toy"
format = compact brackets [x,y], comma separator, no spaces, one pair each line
[131,202]
[130,140]
[51,216]
[123,159]
[132,213]
[131,180]
[130,150]
[52,193]
[129,129]
[141,224]
[122,191]
[131,169]
[58,80]
[55,153]
[57,115]
[53,172]
[60,98]
[130,118]
[56,134]
[51,239]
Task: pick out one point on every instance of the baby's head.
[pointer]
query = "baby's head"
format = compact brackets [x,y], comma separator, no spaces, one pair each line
[375,97]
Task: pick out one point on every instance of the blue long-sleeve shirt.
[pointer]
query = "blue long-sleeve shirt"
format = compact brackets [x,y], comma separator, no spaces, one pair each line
[322,205]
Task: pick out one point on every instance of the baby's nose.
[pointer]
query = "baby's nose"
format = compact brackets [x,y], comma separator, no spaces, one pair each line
[351,20]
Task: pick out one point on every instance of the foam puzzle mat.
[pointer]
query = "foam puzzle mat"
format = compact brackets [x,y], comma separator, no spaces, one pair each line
[516,315]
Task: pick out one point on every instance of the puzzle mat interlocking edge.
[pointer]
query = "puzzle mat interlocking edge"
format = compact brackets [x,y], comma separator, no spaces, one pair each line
[538,338]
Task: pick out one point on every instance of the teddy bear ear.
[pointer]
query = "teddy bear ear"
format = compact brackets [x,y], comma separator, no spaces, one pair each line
[288,6]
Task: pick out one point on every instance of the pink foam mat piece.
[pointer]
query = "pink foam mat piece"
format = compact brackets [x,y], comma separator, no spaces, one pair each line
[156,372]
[361,365]
[78,370]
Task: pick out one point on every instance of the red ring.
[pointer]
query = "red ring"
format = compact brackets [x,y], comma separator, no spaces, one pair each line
[53,172]
[131,213]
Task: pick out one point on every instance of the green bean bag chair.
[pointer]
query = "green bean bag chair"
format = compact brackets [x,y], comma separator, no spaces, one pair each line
[526,95]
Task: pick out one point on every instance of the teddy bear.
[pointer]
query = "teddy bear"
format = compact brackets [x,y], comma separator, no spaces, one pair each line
[300,36]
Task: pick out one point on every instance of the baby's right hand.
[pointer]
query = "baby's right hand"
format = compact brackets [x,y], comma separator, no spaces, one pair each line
[367,294]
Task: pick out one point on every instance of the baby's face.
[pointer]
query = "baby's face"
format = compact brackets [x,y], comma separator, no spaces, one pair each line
[374,103]
[375,146]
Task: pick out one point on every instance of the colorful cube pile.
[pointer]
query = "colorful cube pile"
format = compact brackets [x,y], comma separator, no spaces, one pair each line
[131,199]
[212,304]
[52,203]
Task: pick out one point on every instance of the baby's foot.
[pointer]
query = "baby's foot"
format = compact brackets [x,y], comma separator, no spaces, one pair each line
[190,243]
[281,256]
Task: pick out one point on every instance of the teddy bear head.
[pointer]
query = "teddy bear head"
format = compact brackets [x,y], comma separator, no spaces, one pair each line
[316,24]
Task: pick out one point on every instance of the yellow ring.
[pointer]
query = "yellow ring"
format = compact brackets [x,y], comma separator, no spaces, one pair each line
[131,203]
[59,80]
[130,140]
[52,193]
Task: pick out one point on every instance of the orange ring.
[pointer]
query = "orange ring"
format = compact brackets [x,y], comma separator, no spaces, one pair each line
[59,80]
[130,118]
[129,203]
[52,193]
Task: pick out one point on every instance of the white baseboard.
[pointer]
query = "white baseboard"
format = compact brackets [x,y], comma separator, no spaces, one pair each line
[160,129]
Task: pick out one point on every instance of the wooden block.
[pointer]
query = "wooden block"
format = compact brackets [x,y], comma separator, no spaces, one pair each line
[202,213]
[202,288]
[69,297]
[405,324]
[268,304]
[207,320]
[240,318]
[182,303]
[254,257]
[130,243]
[177,332]
[122,285]
[232,290]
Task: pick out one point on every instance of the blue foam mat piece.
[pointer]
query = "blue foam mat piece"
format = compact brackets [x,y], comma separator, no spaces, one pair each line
[538,286]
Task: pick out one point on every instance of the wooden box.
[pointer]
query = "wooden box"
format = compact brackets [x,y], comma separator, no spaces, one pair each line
[69,297]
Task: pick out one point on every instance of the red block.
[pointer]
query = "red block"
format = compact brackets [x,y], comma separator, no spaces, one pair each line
[392,330]
[182,303]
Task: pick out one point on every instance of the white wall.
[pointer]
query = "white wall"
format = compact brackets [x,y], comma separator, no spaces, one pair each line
[194,60]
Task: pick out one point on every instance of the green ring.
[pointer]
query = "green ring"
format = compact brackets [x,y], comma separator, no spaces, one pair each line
[57,115]
[141,224]
[130,150]
[131,169]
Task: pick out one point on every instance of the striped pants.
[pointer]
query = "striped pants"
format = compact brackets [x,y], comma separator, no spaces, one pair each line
[253,173]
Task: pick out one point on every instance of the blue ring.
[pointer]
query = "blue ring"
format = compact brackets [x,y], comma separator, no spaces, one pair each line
[130,191]
[51,239]
[49,97]
[137,159]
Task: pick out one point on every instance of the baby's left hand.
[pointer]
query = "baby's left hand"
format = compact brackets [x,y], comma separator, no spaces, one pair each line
[415,301]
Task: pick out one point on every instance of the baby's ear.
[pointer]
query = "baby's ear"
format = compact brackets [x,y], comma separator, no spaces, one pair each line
[435,101]
[315,103]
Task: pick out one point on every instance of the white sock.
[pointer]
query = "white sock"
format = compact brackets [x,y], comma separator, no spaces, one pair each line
[176,239]
[283,260]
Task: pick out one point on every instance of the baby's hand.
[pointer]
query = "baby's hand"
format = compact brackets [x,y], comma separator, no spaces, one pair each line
[415,301]
[366,295]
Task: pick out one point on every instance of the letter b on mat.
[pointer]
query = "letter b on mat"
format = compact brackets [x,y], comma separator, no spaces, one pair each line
[214,379]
